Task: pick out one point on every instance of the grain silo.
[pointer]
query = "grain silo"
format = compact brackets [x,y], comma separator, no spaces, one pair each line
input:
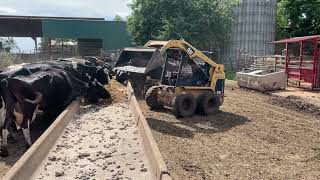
[253,29]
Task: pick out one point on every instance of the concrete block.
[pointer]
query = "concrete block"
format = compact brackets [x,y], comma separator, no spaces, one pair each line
[158,167]
[261,80]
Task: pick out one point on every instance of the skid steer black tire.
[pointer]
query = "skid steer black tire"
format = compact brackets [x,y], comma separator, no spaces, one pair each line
[184,105]
[151,98]
[208,104]
[148,84]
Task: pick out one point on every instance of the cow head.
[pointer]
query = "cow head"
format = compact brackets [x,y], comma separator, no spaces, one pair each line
[96,91]
[101,75]
[122,77]
[108,70]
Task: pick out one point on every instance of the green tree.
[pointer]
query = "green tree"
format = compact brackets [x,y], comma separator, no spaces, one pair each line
[118,18]
[204,23]
[6,57]
[282,22]
[44,44]
[8,44]
[298,17]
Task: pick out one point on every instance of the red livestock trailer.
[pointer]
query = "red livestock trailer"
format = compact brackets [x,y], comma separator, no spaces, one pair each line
[302,59]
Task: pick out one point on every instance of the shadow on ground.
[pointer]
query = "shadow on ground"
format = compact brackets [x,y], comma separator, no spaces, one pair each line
[188,127]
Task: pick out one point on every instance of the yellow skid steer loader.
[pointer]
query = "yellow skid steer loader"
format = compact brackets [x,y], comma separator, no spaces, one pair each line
[173,74]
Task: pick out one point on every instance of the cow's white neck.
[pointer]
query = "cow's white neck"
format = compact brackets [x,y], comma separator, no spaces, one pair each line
[14,67]
[74,65]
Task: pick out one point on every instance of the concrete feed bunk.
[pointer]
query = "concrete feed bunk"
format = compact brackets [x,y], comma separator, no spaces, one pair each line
[100,143]
[110,140]
[261,80]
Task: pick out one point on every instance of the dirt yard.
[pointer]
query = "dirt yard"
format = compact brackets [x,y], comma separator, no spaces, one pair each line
[252,137]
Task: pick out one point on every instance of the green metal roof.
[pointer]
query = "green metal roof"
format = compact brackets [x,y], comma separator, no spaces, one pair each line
[113,33]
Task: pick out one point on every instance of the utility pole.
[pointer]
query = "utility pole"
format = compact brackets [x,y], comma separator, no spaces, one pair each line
[36,46]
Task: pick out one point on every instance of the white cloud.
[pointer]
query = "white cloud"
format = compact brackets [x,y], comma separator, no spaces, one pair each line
[79,8]
[6,10]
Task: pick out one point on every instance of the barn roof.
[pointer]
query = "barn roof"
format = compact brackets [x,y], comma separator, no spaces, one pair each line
[10,17]
[114,34]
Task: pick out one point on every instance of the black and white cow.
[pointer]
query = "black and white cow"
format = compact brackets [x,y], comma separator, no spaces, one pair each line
[46,87]
[97,72]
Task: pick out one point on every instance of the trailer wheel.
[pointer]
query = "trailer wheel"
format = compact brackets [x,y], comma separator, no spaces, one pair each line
[208,103]
[151,98]
[184,105]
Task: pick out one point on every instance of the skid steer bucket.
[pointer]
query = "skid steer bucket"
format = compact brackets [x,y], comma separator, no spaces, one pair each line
[147,61]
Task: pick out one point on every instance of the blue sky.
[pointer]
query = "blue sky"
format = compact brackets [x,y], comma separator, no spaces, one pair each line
[77,8]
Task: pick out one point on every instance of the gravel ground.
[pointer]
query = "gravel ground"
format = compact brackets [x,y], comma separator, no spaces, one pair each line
[250,138]
[100,143]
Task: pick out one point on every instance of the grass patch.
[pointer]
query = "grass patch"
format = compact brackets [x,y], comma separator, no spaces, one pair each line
[230,75]
[7,59]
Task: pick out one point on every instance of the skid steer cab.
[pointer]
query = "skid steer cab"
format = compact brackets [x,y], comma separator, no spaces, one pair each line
[183,78]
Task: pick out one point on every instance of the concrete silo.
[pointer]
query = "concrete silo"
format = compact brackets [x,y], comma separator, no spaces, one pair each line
[253,29]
